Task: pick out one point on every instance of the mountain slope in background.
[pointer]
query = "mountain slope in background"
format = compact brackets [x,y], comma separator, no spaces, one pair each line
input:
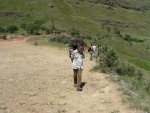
[131,17]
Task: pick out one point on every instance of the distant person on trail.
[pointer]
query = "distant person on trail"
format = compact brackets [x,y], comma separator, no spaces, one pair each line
[77,63]
[92,51]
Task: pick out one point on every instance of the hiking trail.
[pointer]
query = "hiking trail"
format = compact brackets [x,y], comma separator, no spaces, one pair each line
[39,79]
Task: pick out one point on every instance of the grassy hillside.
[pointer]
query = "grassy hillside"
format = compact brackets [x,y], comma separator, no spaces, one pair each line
[85,16]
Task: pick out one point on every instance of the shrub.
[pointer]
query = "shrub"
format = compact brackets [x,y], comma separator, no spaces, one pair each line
[117,32]
[48,30]
[60,39]
[107,58]
[127,69]
[127,38]
[74,32]
[35,27]
[32,28]
[12,28]
[131,79]
[148,88]
[121,70]
[24,26]
[2,30]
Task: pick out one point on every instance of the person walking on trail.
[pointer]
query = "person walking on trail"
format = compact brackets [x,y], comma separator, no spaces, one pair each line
[77,63]
[94,51]
[90,50]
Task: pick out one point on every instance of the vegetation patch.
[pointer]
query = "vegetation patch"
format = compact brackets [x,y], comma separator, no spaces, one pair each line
[116,3]
[131,79]
[60,39]
[15,14]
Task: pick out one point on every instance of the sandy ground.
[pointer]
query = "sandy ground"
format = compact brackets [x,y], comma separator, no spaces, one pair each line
[39,79]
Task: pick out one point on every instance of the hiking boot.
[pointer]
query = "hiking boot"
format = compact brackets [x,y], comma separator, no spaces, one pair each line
[79,89]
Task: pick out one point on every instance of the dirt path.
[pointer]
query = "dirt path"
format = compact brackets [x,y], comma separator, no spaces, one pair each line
[38,79]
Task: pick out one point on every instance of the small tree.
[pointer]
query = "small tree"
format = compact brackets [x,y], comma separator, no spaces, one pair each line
[74,32]
[2,30]
[12,28]
[107,57]
[127,38]
[32,28]
[24,26]
[47,29]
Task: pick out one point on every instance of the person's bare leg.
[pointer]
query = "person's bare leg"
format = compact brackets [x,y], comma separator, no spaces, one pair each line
[79,80]
[75,71]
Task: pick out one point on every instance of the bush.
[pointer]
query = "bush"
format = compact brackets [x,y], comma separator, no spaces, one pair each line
[24,26]
[125,69]
[2,30]
[131,79]
[74,32]
[60,39]
[117,32]
[32,28]
[12,28]
[107,58]
[48,30]
[129,39]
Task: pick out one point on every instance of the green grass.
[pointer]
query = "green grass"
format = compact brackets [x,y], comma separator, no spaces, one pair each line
[84,16]
[138,98]
[44,40]
[138,50]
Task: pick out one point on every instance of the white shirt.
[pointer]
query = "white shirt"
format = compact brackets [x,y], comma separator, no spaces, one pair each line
[77,59]
[94,48]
